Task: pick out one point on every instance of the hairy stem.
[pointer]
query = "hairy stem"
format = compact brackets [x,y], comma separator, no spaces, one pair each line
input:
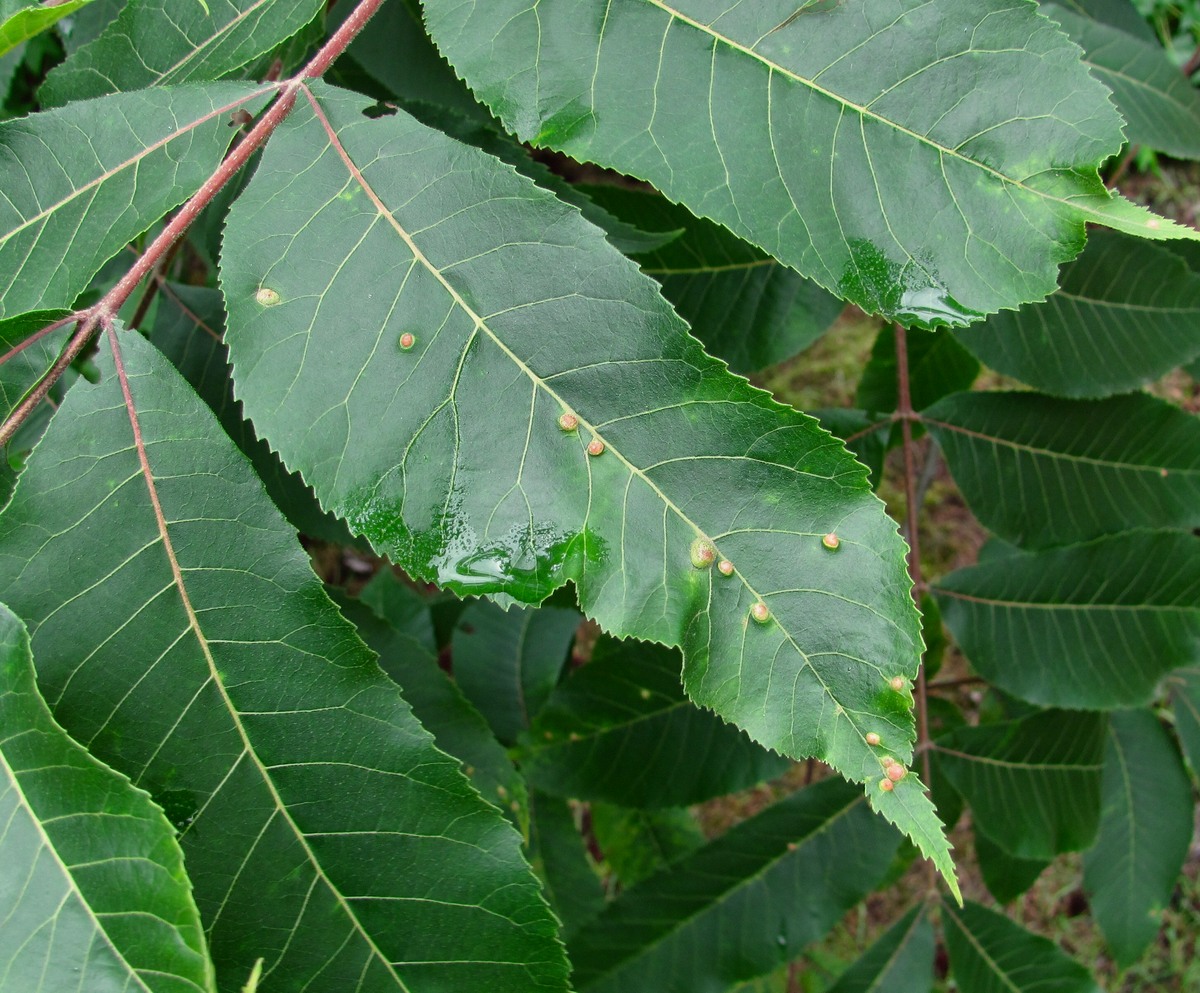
[103,311]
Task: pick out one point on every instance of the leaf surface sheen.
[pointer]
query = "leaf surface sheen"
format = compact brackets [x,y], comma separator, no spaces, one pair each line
[449,456]
[1094,625]
[93,894]
[82,181]
[20,20]
[166,42]
[930,161]
[189,643]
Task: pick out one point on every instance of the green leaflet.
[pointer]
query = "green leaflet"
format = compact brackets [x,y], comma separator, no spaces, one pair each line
[25,355]
[899,962]
[700,925]
[991,954]
[166,42]
[381,342]
[1185,701]
[1033,784]
[1145,831]
[507,661]
[94,895]
[937,365]
[70,205]
[638,843]
[621,729]
[1160,105]
[930,161]
[1125,313]
[20,20]
[1005,875]
[181,633]
[1094,626]
[747,308]
[1041,471]
[557,854]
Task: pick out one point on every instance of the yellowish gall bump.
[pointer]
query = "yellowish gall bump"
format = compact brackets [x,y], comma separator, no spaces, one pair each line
[548,735]
[1163,473]
[872,738]
[887,761]
[1153,223]
[644,694]
[502,791]
[896,772]
[792,846]
[703,554]
[886,785]
[575,736]
[568,422]
[725,567]
[266,297]
[760,612]
[595,447]
[896,683]
[407,340]
[831,541]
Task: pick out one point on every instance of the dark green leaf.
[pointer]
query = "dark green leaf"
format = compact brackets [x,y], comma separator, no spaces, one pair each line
[507,662]
[1125,313]
[866,435]
[389,436]
[20,20]
[181,633]
[1145,831]
[1033,784]
[25,355]
[1121,14]
[899,962]
[880,150]
[187,327]
[457,727]
[937,365]
[991,954]
[744,903]
[1160,105]
[165,42]
[402,607]
[1041,471]
[1005,876]
[1094,625]
[93,894]
[89,22]
[639,843]
[747,308]
[1185,700]
[81,182]
[557,853]
[621,729]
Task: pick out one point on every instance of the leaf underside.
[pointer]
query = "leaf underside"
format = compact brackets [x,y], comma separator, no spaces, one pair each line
[426,411]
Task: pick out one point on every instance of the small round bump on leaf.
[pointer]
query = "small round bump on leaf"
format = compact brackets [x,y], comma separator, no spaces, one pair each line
[575,736]
[887,761]
[703,553]
[1153,223]
[266,297]
[792,846]
[407,340]
[644,694]
[872,738]
[896,772]
[896,683]
[725,567]
[568,421]
[760,612]
[502,792]
[595,447]
[831,541]
[548,735]
[886,785]
[1164,473]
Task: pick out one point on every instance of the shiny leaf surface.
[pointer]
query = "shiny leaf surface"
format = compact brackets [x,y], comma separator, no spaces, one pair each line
[180,632]
[426,410]
[20,20]
[93,894]
[930,161]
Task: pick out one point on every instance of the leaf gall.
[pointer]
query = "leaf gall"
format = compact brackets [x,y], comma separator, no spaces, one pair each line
[703,553]
[896,772]
[595,447]
[872,738]
[831,541]
[886,785]
[407,340]
[896,683]
[760,612]
[266,297]
[568,421]
[725,567]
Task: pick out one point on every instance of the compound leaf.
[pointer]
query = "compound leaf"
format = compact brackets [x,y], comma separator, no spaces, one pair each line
[82,181]
[1124,314]
[974,129]
[1095,625]
[181,634]
[381,342]
[93,895]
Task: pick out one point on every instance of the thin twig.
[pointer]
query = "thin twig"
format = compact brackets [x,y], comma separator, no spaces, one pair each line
[904,409]
[1192,64]
[946,684]
[105,310]
[152,287]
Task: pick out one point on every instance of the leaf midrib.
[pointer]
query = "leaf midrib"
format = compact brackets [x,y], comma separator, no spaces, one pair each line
[202,640]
